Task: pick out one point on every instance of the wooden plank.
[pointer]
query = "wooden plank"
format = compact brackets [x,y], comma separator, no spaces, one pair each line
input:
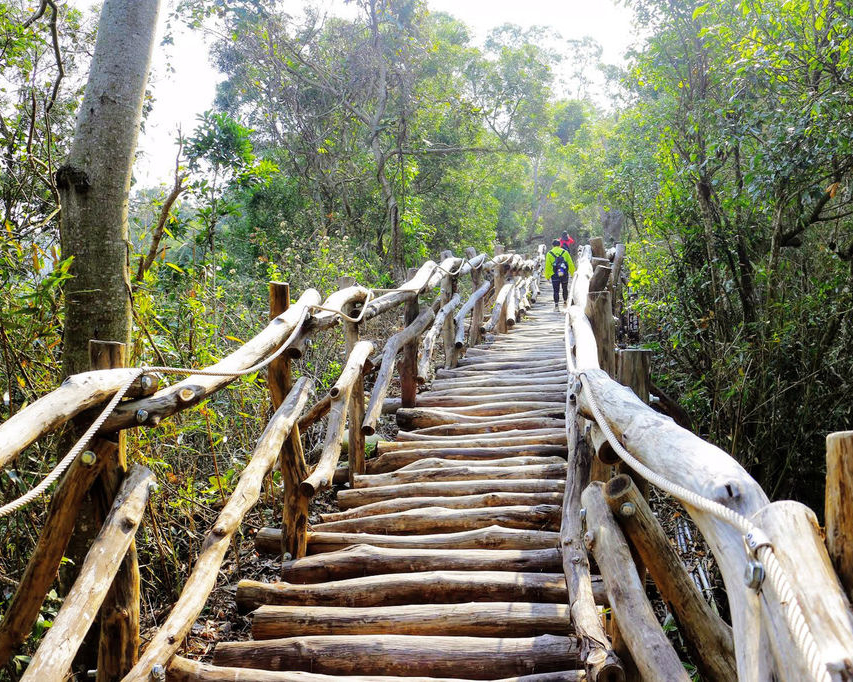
[475,619]
[474,657]
[363,560]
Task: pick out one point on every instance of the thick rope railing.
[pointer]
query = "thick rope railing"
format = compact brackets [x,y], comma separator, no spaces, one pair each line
[756,540]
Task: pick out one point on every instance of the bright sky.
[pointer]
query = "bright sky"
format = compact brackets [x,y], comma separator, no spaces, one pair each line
[182,94]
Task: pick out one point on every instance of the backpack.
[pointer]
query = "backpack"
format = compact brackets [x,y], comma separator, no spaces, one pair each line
[561,268]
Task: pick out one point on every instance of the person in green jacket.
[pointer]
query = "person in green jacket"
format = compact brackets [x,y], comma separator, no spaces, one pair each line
[559,266]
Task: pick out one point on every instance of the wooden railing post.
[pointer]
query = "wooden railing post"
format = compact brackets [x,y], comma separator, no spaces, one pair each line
[409,359]
[118,642]
[600,313]
[448,333]
[355,410]
[633,369]
[837,507]
[294,521]
[477,312]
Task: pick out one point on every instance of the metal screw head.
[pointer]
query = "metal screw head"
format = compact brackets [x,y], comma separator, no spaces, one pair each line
[141,416]
[627,509]
[146,382]
[583,513]
[287,556]
[88,458]
[753,575]
[158,672]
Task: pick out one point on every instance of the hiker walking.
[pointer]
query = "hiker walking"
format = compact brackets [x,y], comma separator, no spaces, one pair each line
[559,266]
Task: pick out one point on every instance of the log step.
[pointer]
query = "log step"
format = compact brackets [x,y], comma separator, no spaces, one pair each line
[358,561]
[392,461]
[442,520]
[440,463]
[463,502]
[268,540]
[357,497]
[475,619]
[430,587]
[183,670]
[480,658]
[462,473]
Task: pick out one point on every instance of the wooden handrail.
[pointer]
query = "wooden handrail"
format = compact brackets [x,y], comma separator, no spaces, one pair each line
[686,460]
[203,577]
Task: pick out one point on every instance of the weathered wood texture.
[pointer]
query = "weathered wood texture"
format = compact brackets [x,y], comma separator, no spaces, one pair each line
[386,367]
[80,607]
[405,655]
[707,636]
[23,610]
[652,652]
[434,587]
[184,670]
[268,540]
[475,619]
[201,581]
[363,560]
[838,510]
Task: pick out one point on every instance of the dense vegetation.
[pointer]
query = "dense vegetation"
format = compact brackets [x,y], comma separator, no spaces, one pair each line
[360,147]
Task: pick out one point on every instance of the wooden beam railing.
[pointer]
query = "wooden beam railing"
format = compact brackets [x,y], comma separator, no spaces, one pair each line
[296,322]
[791,619]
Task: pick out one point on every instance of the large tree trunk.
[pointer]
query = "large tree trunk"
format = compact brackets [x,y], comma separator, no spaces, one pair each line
[95,181]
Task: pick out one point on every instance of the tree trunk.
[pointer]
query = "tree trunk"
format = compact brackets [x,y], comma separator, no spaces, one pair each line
[95,181]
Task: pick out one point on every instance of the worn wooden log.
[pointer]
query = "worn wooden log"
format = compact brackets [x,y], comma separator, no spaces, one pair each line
[76,394]
[442,520]
[323,473]
[501,407]
[433,587]
[53,658]
[497,437]
[425,354]
[184,670]
[651,650]
[451,401]
[462,502]
[838,512]
[408,367]
[348,295]
[473,369]
[477,619]
[794,534]
[439,463]
[206,569]
[405,655]
[360,496]
[467,429]
[386,367]
[498,318]
[421,418]
[23,610]
[194,389]
[396,460]
[361,560]
[600,660]
[406,291]
[465,473]
[687,460]
[487,391]
[599,311]
[708,637]
[600,278]
[512,314]
[459,320]
[596,244]
[486,440]
[268,540]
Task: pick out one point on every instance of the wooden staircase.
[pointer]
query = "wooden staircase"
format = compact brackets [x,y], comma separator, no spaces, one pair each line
[443,562]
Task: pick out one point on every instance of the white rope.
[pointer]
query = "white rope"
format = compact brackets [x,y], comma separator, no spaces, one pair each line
[755,538]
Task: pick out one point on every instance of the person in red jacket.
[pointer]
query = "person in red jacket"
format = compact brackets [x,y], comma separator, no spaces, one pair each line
[566,241]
